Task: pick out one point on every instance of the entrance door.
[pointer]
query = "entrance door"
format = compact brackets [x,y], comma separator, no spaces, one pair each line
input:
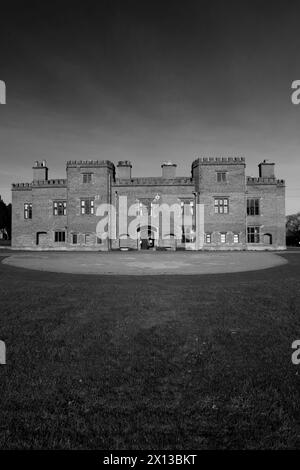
[267,239]
[147,238]
[144,243]
[41,238]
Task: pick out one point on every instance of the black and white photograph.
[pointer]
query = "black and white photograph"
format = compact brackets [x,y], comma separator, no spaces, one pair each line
[149,230]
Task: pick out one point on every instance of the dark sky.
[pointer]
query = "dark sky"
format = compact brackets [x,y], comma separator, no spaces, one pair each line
[149,81]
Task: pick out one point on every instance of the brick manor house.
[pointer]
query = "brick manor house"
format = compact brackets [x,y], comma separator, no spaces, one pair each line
[240,212]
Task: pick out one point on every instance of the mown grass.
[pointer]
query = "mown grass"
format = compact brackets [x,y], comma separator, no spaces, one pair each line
[167,362]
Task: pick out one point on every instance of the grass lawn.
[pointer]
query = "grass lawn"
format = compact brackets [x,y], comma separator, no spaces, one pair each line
[166,362]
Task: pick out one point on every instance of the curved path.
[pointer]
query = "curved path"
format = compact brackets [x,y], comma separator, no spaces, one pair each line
[145,263]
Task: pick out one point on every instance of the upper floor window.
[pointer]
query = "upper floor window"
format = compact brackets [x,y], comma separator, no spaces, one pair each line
[28,210]
[87,177]
[221,176]
[59,208]
[252,206]
[221,205]
[87,206]
[59,236]
[253,234]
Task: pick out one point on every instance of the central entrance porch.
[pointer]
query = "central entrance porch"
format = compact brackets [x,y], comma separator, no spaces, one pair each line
[147,237]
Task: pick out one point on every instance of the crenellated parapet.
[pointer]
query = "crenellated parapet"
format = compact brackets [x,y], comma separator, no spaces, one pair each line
[90,163]
[260,180]
[53,183]
[218,161]
[61,182]
[21,186]
[154,181]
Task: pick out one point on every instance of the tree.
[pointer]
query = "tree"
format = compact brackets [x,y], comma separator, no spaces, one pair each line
[293,229]
[5,218]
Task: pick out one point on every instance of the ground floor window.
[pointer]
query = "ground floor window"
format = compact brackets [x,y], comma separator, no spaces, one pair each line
[253,234]
[60,236]
[236,238]
[223,237]
[74,238]
[99,240]
[208,238]
[88,238]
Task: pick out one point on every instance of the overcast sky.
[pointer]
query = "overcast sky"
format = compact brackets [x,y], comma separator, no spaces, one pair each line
[149,81]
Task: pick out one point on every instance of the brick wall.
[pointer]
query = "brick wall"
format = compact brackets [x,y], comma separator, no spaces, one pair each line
[103,187]
[99,188]
[22,229]
[271,219]
[205,172]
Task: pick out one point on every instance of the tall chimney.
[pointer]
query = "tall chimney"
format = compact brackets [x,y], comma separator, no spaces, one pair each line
[124,170]
[266,169]
[168,170]
[40,171]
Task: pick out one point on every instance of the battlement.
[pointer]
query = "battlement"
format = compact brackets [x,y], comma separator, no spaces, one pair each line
[260,180]
[218,161]
[90,163]
[21,186]
[39,184]
[154,181]
[53,182]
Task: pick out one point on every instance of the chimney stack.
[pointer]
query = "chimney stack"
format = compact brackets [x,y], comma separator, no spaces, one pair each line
[168,170]
[266,169]
[40,171]
[124,170]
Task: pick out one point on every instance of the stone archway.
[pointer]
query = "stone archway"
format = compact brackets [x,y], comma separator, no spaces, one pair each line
[267,239]
[147,236]
[41,238]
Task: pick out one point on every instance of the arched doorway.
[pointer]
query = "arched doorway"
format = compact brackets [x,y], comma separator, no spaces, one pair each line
[41,238]
[267,239]
[147,237]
